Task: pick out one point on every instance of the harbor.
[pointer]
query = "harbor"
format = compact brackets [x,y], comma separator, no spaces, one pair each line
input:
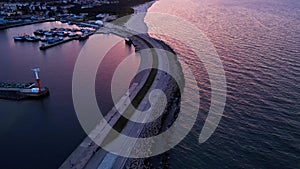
[56,36]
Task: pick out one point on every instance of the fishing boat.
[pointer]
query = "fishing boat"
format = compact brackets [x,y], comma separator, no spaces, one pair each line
[61,29]
[53,29]
[72,34]
[63,21]
[128,41]
[54,40]
[31,38]
[19,38]
[83,37]
[44,39]
[39,32]
[47,33]
[60,34]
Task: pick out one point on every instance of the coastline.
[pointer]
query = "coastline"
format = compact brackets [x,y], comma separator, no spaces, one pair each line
[90,155]
[137,22]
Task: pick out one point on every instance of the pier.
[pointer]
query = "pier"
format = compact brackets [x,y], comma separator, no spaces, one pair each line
[20,91]
[47,46]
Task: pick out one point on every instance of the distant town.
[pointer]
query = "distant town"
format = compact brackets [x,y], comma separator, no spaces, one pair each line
[20,12]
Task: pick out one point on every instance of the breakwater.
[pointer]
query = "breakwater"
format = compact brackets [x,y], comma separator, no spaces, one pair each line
[47,46]
[90,155]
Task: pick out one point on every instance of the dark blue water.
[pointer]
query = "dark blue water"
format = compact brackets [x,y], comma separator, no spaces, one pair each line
[259,44]
[42,133]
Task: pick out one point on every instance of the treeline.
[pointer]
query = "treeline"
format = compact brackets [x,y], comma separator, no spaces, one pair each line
[122,8]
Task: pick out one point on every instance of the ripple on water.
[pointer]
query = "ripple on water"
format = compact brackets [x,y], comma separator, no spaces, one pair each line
[258,42]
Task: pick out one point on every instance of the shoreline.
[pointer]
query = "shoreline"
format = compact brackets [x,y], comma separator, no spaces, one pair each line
[23,24]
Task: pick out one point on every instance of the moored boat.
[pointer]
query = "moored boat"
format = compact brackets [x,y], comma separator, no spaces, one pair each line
[39,32]
[19,38]
[83,37]
[47,33]
[44,39]
[31,38]
[53,29]
[60,34]
[72,34]
[54,40]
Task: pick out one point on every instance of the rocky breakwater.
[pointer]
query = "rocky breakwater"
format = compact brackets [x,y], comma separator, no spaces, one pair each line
[172,90]
[171,86]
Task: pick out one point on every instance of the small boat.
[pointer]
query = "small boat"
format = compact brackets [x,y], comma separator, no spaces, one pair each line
[31,38]
[65,33]
[39,32]
[44,39]
[60,34]
[19,38]
[128,41]
[75,30]
[61,29]
[70,23]
[63,21]
[35,38]
[54,40]
[72,34]
[85,31]
[51,40]
[83,37]
[47,33]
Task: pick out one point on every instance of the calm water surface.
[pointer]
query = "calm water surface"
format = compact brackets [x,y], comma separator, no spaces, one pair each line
[42,133]
[259,44]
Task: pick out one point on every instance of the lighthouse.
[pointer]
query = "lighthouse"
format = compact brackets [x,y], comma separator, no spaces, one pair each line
[37,78]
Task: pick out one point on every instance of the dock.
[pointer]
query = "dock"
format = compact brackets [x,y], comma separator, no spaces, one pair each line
[19,91]
[21,94]
[47,46]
